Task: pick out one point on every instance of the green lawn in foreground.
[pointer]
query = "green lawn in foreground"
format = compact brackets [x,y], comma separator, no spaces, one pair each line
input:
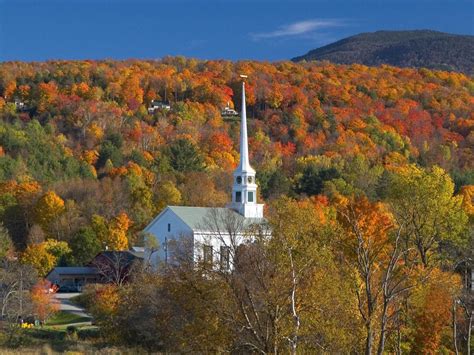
[64,318]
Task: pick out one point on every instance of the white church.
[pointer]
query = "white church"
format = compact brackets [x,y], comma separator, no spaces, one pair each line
[211,234]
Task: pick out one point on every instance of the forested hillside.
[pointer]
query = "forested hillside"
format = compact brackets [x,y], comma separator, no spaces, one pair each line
[421,48]
[353,159]
[85,134]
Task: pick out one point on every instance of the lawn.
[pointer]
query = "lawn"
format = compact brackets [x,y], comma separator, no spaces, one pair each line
[65,318]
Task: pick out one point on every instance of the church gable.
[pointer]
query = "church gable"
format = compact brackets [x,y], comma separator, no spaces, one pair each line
[168,224]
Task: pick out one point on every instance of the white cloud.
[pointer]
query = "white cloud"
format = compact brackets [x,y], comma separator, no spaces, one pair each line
[298,29]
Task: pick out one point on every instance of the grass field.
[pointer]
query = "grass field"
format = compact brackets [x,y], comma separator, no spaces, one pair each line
[65,319]
[64,331]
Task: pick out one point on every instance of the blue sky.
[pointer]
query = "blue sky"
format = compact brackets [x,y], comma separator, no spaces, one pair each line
[33,30]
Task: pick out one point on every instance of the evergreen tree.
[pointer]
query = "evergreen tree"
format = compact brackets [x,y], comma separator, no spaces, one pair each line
[185,156]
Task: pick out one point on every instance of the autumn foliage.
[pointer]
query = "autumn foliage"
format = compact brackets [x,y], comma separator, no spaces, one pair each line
[43,300]
[371,167]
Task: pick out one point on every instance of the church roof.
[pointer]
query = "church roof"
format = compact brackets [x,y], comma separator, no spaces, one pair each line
[200,218]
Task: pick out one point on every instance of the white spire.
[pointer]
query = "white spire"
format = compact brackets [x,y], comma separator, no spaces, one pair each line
[244,189]
[244,147]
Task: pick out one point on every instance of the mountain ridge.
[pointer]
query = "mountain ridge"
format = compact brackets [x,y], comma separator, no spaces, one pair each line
[414,48]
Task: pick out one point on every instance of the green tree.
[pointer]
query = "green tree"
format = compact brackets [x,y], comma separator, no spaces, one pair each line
[110,149]
[85,245]
[313,179]
[185,156]
[424,203]
[109,152]
[59,249]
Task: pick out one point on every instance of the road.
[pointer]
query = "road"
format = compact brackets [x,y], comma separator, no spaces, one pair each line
[67,306]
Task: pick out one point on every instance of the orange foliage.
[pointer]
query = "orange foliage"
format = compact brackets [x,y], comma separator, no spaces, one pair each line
[433,313]
[90,156]
[107,299]
[10,88]
[367,220]
[44,302]
[48,93]
[467,193]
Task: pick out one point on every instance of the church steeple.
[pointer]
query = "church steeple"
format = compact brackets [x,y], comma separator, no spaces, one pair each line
[244,146]
[244,190]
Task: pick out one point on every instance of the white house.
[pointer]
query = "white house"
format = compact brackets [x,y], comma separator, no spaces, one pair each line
[157,105]
[228,111]
[20,105]
[209,233]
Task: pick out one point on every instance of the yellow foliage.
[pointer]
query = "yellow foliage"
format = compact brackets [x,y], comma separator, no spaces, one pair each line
[113,234]
[90,156]
[168,194]
[107,300]
[395,158]
[357,124]
[134,168]
[22,191]
[68,152]
[148,156]
[467,193]
[39,257]
[48,207]
[95,131]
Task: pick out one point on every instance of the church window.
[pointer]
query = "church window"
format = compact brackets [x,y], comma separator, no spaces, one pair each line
[250,196]
[239,179]
[250,179]
[207,254]
[238,196]
[169,227]
[225,258]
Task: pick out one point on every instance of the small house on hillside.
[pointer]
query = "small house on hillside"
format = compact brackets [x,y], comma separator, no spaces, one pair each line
[116,266]
[157,105]
[106,267]
[20,105]
[228,111]
[73,278]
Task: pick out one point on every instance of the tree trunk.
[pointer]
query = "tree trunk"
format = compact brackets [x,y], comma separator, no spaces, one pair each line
[455,335]
[383,332]
[399,340]
[469,330]
[296,318]
[369,341]
[424,258]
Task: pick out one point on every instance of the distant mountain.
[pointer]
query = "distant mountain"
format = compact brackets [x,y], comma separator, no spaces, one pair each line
[421,48]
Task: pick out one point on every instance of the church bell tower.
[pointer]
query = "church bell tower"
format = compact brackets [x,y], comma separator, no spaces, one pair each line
[244,189]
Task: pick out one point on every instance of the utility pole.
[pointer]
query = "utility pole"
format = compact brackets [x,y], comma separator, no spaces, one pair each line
[21,292]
